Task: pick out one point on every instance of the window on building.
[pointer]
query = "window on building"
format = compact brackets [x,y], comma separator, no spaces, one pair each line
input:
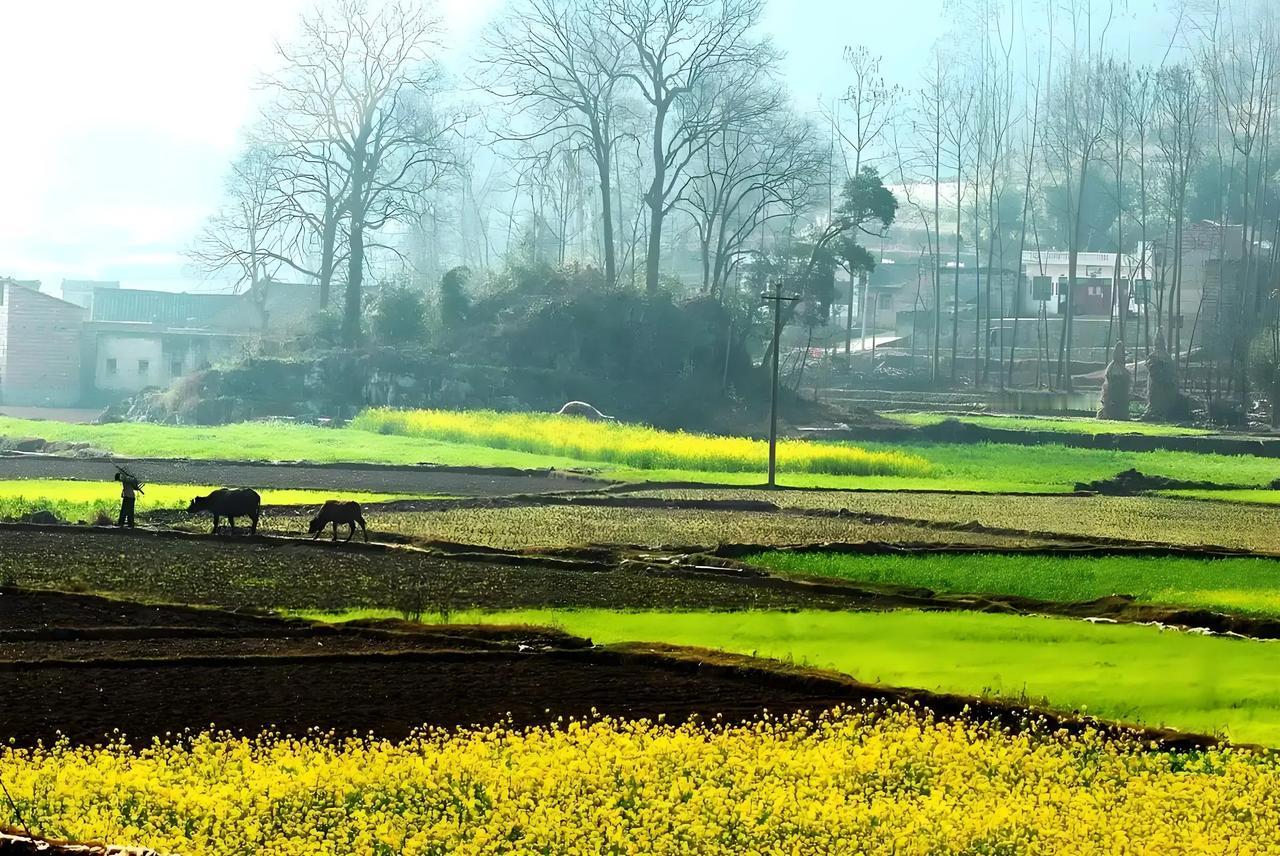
[143,365]
[111,365]
[175,368]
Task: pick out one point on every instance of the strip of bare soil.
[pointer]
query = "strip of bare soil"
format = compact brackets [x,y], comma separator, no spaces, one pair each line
[262,572]
[374,478]
[390,678]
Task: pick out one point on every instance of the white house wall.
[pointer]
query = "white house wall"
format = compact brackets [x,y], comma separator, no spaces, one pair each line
[163,364]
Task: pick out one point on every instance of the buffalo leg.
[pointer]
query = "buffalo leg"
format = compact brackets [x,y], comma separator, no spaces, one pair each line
[363,528]
[215,524]
[253,526]
[335,532]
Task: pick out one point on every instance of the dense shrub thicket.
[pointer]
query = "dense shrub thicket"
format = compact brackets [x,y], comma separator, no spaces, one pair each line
[529,338]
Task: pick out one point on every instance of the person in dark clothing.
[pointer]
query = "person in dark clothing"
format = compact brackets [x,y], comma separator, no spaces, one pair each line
[129,487]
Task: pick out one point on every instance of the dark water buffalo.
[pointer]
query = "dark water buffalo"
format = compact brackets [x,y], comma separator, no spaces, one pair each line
[229,503]
[335,512]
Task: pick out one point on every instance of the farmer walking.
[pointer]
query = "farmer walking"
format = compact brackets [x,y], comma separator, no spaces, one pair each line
[129,487]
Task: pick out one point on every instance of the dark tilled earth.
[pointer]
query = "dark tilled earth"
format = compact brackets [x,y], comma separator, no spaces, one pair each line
[390,694]
[236,572]
[181,672]
[410,480]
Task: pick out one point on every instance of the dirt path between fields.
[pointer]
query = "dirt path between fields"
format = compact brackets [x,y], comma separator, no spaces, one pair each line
[425,480]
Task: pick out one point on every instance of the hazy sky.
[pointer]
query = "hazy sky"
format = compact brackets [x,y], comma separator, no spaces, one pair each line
[118,120]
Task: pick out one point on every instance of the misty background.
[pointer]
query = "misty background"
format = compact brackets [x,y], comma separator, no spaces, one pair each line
[123,118]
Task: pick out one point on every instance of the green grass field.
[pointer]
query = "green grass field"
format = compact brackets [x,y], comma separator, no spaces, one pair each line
[82,500]
[969,467]
[1229,585]
[1063,424]
[1128,673]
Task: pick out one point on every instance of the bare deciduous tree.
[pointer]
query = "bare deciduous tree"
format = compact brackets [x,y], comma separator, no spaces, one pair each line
[673,48]
[559,64]
[358,91]
[760,163]
[246,236]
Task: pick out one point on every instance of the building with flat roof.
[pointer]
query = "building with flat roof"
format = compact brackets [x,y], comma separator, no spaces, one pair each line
[40,347]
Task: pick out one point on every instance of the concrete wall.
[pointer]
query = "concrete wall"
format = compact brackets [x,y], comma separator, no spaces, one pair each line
[39,349]
[128,362]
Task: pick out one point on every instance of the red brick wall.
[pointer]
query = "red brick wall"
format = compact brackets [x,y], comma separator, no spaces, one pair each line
[41,359]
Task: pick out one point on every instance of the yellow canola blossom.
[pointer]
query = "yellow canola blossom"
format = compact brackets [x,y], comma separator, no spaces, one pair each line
[636,446]
[883,782]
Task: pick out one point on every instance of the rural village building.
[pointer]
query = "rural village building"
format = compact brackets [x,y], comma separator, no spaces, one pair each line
[39,347]
[102,341]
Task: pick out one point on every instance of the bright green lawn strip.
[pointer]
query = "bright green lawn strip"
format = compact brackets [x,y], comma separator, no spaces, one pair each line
[983,466]
[82,500]
[1062,466]
[1233,585]
[274,441]
[1129,673]
[1065,424]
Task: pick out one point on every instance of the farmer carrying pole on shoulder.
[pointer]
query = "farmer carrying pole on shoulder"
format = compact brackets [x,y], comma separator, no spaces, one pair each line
[129,486]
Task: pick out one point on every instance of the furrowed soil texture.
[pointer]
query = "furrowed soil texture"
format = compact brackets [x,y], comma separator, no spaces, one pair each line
[1157,520]
[534,526]
[265,573]
[889,783]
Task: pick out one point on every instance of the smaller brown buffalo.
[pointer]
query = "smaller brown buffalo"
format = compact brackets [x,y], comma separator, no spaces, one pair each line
[336,512]
[229,503]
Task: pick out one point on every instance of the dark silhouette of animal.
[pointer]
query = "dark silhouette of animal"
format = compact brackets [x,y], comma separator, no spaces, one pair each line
[337,512]
[586,411]
[229,503]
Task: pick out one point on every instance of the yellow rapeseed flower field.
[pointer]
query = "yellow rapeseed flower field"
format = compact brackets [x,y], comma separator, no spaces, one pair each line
[636,446]
[884,782]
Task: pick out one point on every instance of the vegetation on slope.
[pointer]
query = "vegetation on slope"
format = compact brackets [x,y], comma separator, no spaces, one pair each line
[637,446]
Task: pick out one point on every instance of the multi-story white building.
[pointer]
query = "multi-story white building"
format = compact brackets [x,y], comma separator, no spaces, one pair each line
[1045,277]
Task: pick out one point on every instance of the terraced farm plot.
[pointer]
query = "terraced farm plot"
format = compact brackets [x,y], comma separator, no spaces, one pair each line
[536,526]
[1127,673]
[1249,586]
[635,446]
[1139,518]
[944,466]
[238,572]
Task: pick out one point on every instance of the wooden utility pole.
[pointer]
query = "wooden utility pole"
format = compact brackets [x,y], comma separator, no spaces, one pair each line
[777,298]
